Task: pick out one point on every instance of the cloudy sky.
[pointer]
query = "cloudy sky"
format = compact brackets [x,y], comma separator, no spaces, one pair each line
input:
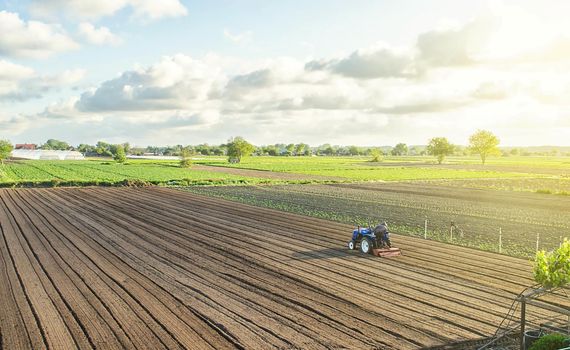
[157,72]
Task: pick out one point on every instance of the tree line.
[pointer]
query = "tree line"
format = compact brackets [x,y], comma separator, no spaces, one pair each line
[482,143]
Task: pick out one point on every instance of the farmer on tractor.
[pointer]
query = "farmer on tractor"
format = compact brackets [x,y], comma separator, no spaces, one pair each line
[382,231]
[374,241]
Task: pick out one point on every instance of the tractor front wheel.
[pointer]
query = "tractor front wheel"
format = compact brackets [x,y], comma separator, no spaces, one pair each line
[351,245]
[366,246]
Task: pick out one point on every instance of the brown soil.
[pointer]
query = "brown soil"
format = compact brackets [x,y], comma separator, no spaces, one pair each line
[156,268]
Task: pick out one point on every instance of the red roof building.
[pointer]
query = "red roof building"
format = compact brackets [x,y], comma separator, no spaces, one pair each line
[28,146]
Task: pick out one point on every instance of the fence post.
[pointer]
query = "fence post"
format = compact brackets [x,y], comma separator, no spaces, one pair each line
[500,240]
[560,246]
[523,321]
[451,233]
[537,240]
[425,229]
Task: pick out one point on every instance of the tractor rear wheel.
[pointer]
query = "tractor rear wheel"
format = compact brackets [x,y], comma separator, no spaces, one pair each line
[366,246]
[351,245]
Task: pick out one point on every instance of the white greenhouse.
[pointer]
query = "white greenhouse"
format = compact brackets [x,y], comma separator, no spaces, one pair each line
[47,155]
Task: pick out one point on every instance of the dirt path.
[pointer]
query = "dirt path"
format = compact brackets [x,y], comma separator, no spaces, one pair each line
[160,268]
[264,174]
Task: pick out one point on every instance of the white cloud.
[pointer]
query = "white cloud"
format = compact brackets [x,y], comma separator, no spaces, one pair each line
[445,84]
[10,71]
[20,83]
[79,8]
[177,82]
[490,91]
[141,9]
[14,125]
[97,36]
[379,61]
[457,46]
[153,9]
[31,39]
[281,98]
[239,38]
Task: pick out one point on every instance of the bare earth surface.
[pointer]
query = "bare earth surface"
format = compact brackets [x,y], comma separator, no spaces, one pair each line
[159,268]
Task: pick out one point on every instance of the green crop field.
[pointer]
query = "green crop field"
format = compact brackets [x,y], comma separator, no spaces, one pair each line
[98,172]
[479,215]
[513,173]
[360,169]
[521,197]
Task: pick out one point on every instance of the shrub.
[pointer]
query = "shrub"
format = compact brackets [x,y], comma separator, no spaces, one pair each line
[120,155]
[550,342]
[185,158]
[133,183]
[238,148]
[440,148]
[376,155]
[5,150]
[552,269]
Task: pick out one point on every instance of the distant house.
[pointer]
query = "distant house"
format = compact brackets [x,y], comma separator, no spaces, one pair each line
[27,146]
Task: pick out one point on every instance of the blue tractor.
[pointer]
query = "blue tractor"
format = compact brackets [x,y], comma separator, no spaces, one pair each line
[373,241]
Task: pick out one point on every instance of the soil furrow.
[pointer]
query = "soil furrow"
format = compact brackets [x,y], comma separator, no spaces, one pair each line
[162,268]
[124,280]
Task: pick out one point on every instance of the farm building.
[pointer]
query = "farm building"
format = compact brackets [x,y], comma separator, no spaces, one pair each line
[25,146]
[47,155]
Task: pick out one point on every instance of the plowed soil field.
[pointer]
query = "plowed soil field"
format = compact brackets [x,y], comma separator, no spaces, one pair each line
[159,268]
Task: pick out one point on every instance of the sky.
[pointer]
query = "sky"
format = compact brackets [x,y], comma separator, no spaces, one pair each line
[367,73]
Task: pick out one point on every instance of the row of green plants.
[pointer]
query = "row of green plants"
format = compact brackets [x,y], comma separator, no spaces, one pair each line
[125,183]
[402,220]
[359,169]
[338,170]
[84,171]
[542,185]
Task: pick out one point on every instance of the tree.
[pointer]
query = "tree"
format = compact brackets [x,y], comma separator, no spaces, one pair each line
[5,150]
[127,147]
[400,149]
[290,149]
[440,148]
[271,150]
[301,149]
[552,269]
[329,151]
[55,145]
[416,151]
[354,151]
[185,157]
[104,149]
[120,156]
[377,155]
[484,143]
[86,149]
[203,149]
[238,148]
